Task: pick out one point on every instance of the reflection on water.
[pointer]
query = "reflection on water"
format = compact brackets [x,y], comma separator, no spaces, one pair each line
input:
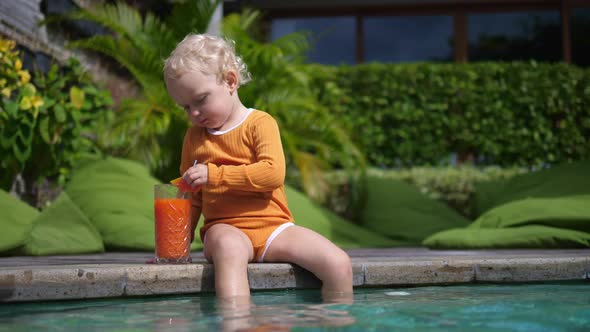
[540,307]
[243,314]
[264,311]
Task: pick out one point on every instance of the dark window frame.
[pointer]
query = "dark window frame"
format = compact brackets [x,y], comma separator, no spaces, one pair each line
[458,11]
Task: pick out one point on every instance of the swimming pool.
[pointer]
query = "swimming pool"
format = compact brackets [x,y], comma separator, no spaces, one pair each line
[520,307]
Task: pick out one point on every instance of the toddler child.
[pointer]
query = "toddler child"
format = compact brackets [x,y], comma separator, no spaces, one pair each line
[241,172]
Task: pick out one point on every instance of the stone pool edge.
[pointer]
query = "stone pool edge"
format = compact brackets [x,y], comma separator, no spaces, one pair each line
[86,281]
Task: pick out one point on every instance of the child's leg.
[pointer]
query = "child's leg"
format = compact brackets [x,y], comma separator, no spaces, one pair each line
[236,313]
[316,254]
[229,250]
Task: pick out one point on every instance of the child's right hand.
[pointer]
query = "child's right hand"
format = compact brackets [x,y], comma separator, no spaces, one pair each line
[196,176]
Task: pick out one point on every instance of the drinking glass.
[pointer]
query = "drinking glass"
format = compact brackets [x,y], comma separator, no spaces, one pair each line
[173,224]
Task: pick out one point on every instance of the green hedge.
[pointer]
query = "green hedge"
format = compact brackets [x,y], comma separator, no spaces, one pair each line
[507,114]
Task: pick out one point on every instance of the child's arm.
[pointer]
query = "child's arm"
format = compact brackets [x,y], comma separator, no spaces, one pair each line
[267,173]
[186,161]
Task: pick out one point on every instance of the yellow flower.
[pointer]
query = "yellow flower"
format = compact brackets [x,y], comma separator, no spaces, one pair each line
[6,92]
[25,103]
[25,77]
[18,65]
[2,82]
[6,45]
[37,101]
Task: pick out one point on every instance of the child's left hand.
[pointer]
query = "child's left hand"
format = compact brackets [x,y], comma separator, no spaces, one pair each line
[197,175]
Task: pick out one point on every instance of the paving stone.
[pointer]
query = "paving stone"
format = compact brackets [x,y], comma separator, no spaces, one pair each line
[47,283]
[277,276]
[533,269]
[168,279]
[419,272]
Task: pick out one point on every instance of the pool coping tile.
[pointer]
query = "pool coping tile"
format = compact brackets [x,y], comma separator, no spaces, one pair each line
[48,278]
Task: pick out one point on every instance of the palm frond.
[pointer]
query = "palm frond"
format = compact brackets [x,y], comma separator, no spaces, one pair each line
[242,24]
[152,124]
[120,18]
[312,171]
[124,53]
[191,17]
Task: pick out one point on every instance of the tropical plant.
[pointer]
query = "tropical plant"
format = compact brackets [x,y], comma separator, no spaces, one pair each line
[151,128]
[313,139]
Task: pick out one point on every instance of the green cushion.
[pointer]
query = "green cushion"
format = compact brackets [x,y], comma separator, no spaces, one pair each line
[16,220]
[531,236]
[343,233]
[399,211]
[562,180]
[116,195]
[569,212]
[62,229]
[529,223]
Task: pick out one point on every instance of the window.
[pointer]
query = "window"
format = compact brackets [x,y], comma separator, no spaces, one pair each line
[408,38]
[515,36]
[332,38]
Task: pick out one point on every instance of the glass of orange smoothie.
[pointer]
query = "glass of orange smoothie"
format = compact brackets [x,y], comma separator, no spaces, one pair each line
[173,225]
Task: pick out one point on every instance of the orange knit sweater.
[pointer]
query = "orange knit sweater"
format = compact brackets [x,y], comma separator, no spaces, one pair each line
[246,168]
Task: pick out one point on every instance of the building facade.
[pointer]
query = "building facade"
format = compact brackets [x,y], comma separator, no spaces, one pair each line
[357,31]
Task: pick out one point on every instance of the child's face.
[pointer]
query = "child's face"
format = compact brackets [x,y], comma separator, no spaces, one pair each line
[207,102]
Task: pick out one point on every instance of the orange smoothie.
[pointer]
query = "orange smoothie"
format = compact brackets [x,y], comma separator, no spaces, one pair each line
[172,230]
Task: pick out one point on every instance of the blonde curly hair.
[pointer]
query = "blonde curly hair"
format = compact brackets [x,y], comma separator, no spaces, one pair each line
[208,54]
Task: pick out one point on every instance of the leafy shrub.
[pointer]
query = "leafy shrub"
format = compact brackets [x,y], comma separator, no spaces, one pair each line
[20,104]
[48,123]
[70,123]
[151,128]
[507,114]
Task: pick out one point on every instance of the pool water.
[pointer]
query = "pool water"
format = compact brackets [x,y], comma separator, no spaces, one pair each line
[521,307]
